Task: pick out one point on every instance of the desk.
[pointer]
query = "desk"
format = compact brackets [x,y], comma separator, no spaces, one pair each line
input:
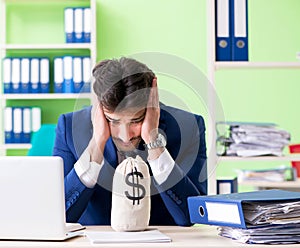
[185,237]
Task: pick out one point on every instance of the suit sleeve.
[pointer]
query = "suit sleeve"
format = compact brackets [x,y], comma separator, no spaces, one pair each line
[189,175]
[77,194]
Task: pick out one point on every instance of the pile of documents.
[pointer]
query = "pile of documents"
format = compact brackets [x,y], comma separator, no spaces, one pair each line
[258,217]
[279,174]
[248,139]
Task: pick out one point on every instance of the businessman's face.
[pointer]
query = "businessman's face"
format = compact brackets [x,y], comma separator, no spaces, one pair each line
[125,128]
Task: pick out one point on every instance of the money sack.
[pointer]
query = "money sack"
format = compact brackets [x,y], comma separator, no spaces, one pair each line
[131,196]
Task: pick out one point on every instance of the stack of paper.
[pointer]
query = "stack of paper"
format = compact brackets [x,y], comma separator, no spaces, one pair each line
[148,236]
[279,174]
[266,216]
[250,139]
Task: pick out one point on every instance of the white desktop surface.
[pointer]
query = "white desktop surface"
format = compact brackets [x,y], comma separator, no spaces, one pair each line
[185,237]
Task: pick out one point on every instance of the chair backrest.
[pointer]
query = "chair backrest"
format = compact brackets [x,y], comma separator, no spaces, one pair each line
[42,141]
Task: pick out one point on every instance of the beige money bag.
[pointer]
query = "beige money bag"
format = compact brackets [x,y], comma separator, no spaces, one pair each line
[130,209]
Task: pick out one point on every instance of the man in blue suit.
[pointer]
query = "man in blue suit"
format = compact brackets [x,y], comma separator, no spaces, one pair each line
[129,120]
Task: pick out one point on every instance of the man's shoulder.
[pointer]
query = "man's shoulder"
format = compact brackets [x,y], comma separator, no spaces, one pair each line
[86,111]
[178,113]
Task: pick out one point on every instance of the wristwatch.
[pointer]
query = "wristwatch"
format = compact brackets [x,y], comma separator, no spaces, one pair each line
[160,141]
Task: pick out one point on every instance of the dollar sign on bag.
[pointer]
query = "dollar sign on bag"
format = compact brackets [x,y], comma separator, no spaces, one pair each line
[136,187]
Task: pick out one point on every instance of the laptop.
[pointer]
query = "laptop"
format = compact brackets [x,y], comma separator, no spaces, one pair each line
[32,199]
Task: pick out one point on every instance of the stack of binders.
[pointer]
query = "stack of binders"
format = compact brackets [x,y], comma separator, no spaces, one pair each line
[72,74]
[78,25]
[231,30]
[20,123]
[26,75]
[258,217]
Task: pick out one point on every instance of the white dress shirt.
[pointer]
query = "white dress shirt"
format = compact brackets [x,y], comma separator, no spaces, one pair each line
[88,171]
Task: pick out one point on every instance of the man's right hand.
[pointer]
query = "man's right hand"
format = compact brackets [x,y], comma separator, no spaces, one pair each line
[101,133]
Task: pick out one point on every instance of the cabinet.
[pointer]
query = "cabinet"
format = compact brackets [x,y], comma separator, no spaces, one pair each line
[286,67]
[36,29]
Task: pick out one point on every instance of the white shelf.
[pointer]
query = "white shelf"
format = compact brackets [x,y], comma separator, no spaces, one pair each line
[15,146]
[42,96]
[292,157]
[256,65]
[46,46]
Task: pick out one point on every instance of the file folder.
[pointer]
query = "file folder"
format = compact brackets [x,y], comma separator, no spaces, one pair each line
[8,125]
[69,25]
[44,75]
[223,37]
[86,64]
[26,125]
[68,86]
[240,30]
[78,25]
[87,25]
[6,69]
[77,74]
[16,75]
[34,75]
[17,124]
[25,75]
[227,209]
[58,75]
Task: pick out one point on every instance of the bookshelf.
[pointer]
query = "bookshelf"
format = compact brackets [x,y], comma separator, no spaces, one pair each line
[23,34]
[243,68]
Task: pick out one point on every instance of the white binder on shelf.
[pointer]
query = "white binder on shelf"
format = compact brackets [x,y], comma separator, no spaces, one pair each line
[34,75]
[36,119]
[25,75]
[87,25]
[58,75]
[86,65]
[78,25]
[8,125]
[77,74]
[16,75]
[69,24]
[6,68]
[17,124]
[26,125]
[68,86]
[44,75]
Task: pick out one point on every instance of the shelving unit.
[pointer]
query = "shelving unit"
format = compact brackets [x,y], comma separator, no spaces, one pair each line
[43,47]
[212,67]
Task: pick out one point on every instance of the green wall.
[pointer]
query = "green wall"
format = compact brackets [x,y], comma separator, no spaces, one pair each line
[178,28]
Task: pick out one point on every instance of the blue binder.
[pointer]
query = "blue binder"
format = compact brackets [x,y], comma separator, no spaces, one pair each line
[26,125]
[87,25]
[239,29]
[8,124]
[78,25]
[6,69]
[77,74]
[223,31]
[35,75]
[227,209]
[17,124]
[58,75]
[25,75]
[87,74]
[68,84]
[44,75]
[16,75]
[69,24]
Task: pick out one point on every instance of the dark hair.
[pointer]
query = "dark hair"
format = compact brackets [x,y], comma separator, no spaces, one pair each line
[122,83]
